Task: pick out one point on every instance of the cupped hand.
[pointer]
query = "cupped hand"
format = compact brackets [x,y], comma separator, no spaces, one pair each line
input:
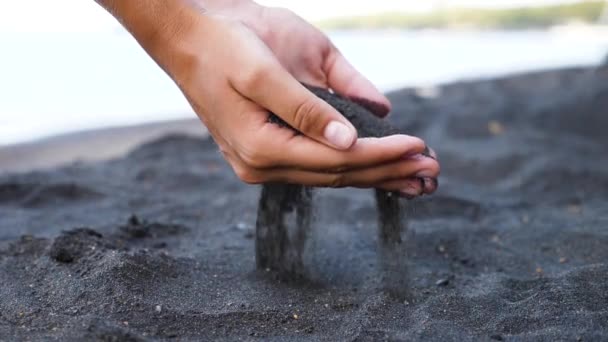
[237,61]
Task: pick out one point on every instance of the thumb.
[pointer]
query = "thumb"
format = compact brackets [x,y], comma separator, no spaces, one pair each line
[277,91]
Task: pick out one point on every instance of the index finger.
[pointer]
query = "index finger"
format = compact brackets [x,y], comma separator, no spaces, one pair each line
[298,151]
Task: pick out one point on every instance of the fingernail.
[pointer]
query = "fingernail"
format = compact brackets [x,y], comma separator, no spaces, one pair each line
[431,184]
[339,135]
[424,174]
[421,180]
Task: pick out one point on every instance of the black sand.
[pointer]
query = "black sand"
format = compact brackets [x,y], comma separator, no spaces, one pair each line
[285,211]
[512,247]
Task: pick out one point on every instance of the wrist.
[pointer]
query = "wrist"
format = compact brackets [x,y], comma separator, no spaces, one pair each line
[174,33]
[202,26]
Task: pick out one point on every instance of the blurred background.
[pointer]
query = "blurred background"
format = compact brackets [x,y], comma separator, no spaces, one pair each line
[67,66]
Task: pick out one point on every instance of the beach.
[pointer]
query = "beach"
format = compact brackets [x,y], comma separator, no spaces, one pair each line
[153,239]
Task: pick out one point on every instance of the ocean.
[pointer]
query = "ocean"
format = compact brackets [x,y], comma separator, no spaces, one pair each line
[56,83]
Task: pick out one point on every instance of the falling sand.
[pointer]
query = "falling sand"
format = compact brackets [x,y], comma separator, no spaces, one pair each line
[285,212]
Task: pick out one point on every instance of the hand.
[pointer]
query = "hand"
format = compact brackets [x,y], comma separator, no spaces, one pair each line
[236,61]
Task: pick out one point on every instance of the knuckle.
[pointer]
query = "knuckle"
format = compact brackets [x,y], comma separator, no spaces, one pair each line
[281,11]
[256,153]
[286,11]
[253,156]
[306,116]
[243,171]
[255,76]
[342,164]
[310,59]
[247,174]
[337,180]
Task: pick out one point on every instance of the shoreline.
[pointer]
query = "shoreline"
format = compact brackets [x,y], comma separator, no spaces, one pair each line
[89,145]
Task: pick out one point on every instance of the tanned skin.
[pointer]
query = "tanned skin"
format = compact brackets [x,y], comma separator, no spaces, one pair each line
[235,61]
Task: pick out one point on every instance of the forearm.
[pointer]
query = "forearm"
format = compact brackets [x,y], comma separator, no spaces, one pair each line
[160,26]
[151,22]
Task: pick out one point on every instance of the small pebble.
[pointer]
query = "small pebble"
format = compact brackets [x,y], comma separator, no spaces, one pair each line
[496,128]
[443,282]
[242,226]
[158,308]
[574,209]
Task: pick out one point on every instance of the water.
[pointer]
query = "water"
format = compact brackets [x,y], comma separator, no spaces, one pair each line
[56,83]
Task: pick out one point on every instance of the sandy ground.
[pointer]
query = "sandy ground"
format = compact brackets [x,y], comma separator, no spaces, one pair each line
[512,247]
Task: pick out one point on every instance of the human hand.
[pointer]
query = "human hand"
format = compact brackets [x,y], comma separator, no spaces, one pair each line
[235,61]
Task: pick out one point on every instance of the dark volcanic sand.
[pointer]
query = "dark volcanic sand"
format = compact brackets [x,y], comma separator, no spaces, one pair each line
[514,245]
[285,211]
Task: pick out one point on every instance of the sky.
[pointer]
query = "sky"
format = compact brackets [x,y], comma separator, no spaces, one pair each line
[85,15]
